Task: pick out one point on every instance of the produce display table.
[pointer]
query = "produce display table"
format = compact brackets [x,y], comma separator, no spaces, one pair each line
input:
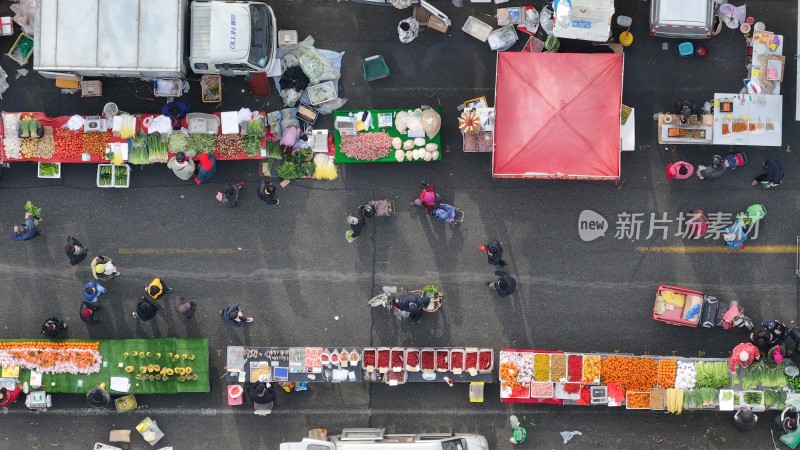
[760,123]
[368,364]
[96,157]
[641,382]
[114,357]
[693,133]
[372,125]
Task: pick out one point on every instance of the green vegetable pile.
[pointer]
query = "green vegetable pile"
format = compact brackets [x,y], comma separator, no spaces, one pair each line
[156,149]
[712,375]
[201,143]
[700,398]
[177,142]
[773,397]
[764,374]
[753,398]
[794,383]
[252,138]
[121,177]
[138,149]
[32,209]
[106,173]
[298,165]
[48,169]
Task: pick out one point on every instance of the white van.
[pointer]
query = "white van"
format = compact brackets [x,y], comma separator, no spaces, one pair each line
[684,19]
[375,439]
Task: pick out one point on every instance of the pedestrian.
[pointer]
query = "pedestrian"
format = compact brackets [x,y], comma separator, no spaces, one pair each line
[744,420]
[407,30]
[763,339]
[680,170]
[230,195]
[27,230]
[494,251]
[413,304]
[505,285]
[743,355]
[428,198]
[713,171]
[157,288]
[98,397]
[357,222]
[87,313]
[772,176]
[104,269]
[266,192]
[696,225]
[181,166]
[92,291]
[185,308]
[52,326]
[777,329]
[685,108]
[262,393]
[207,168]
[145,309]
[234,315]
[8,397]
[76,252]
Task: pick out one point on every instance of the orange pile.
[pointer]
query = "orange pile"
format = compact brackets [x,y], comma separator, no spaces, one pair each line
[667,370]
[633,374]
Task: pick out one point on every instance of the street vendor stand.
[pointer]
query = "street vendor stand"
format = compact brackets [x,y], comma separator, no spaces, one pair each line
[642,382]
[753,120]
[404,130]
[393,366]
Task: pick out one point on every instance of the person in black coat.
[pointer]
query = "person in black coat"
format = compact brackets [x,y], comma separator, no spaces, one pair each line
[76,252]
[744,420]
[261,393]
[357,221]
[52,326]
[494,251]
[266,192]
[87,313]
[773,174]
[185,308]
[505,285]
[145,310]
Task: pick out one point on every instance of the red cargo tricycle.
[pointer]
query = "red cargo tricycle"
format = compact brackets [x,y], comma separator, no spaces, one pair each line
[690,308]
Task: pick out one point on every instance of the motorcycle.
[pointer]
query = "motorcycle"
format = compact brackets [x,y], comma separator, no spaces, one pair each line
[392,295]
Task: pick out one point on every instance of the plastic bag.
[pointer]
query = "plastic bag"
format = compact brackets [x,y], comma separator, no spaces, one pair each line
[315,65]
[329,107]
[568,435]
[3,82]
[25,15]
[546,20]
[290,97]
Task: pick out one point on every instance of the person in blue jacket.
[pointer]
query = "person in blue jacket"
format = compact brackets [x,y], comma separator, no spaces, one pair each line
[234,315]
[92,291]
[26,230]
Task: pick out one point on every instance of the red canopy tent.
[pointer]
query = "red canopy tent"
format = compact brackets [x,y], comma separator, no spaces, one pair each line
[557,116]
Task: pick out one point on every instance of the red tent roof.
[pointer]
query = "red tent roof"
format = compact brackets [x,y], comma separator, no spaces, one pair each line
[557,116]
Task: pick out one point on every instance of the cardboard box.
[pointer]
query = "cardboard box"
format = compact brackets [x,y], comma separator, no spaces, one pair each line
[426,19]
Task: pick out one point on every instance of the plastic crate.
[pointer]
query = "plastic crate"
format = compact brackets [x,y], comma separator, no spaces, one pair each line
[213,81]
[91,88]
[22,50]
[477,28]
[287,39]
[114,170]
[39,170]
[375,68]
[685,49]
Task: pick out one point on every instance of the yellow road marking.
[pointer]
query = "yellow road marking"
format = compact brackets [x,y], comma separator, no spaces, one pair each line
[764,249]
[185,251]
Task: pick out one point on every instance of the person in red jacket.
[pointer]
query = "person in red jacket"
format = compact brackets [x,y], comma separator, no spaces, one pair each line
[8,397]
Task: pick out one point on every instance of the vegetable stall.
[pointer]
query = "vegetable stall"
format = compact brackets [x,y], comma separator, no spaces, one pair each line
[390,365]
[387,135]
[131,366]
[657,383]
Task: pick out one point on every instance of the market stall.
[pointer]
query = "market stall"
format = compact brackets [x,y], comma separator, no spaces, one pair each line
[131,366]
[553,121]
[641,382]
[747,119]
[396,365]
[387,135]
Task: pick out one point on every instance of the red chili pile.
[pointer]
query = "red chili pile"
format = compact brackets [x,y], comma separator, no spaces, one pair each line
[369,358]
[427,360]
[95,143]
[383,358]
[441,360]
[572,388]
[485,360]
[68,143]
[574,367]
[472,361]
[456,360]
[397,358]
[412,359]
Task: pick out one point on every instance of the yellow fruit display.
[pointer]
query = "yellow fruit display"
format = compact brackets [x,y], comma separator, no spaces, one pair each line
[191,357]
[188,370]
[142,369]
[135,354]
[125,355]
[158,355]
[129,369]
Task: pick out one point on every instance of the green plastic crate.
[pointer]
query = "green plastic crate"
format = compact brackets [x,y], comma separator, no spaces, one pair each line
[375,68]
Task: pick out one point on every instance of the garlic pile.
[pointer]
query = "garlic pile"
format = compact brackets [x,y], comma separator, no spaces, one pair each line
[686,375]
[11,140]
[409,152]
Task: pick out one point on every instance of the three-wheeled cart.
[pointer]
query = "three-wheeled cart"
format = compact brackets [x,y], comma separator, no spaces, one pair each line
[690,308]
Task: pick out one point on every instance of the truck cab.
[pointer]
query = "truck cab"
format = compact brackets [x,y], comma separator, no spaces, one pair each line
[375,439]
[231,37]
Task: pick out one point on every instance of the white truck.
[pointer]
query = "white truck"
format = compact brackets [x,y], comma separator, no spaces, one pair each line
[147,38]
[375,439]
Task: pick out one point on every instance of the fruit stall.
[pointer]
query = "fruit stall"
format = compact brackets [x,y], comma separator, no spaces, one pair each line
[131,366]
[122,137]
[390,365]
[387,135]
[658,383]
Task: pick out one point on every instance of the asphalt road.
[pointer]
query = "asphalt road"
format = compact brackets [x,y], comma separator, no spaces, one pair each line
[293,271]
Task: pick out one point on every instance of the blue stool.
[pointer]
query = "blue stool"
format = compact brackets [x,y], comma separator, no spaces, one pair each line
[685,49]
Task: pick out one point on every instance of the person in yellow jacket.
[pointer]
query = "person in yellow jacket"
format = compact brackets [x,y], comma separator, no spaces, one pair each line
[157,288]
